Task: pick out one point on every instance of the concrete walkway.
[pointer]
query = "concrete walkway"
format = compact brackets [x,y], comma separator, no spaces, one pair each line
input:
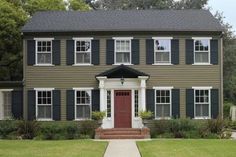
[122,148]
[233,135]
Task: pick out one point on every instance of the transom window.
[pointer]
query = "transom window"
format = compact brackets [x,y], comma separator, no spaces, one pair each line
[123,51]
[202,50]
[44,52]
[44,105]
[83,104]
[162,51]
[163,103]
[83,51]
[202,103]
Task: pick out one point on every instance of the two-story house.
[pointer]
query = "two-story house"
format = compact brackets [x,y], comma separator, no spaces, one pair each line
[122,62]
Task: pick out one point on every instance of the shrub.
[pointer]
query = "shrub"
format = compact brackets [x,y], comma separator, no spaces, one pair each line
[179,127]
[7,128]
[146,114]
[52,131]
[72,131]
[27,129]
[161,126]
[97,115]
[88,128]
[215,125]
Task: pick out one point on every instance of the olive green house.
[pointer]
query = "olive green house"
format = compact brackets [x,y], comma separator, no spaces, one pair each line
[122,62]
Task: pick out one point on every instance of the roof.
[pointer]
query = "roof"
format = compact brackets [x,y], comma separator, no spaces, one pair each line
[122,71]
[120,20]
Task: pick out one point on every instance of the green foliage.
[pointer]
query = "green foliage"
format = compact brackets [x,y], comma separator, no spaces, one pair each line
[78,5]
[146,114]
[87,128]
[27,129]
[7,127]
[98,115]
[227,106]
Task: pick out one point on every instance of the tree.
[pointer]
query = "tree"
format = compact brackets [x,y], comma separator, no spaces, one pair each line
[12,18]
[78,5]
[190,4]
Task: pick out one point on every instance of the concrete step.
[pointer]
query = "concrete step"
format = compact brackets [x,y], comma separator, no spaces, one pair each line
[122,137]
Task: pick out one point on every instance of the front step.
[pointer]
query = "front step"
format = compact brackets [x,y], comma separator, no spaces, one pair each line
[122,133]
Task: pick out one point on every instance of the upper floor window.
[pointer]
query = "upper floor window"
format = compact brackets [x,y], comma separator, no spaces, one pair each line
[122,50]
[202,51]
[82,51]
[162,51]
[44,104]
[83,104]
[44,51]
[202,102]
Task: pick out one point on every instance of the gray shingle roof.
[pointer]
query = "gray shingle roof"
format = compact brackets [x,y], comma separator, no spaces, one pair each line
[131,20]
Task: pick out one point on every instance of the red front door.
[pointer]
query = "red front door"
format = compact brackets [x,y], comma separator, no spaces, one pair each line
[122,109]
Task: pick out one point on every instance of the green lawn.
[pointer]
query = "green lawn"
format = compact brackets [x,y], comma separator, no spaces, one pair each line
[70,148]
[187,148]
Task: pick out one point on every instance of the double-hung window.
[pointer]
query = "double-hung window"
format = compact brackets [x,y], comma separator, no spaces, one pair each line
[44,51]
[5,104]
[122,50]
[202,103]
[162,50]
[44,104]
[82,51]
[163,103]
[83,104]
[201,51]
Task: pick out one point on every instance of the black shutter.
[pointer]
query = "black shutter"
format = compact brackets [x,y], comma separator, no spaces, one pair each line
[56,52]
[31,104]
[214,52]
[176,103]
[149,51]
[110,52]
[190,103]
[31,52]
[70,109]
[70,52]
[214,103]
[175,51]
[17,104]
[135,51]
[95,52]
[56,105]
[189,51]
[96,100]
[150,100]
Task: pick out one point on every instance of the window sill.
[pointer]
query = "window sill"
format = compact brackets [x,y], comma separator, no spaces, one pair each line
[82,65]
[44,65]
[162,64]
[199,118]
[122,64]
[82,119]
[46,120]
[163,118]
[201,64]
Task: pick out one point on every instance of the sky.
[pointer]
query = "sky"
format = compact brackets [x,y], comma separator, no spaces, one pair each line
[228,7]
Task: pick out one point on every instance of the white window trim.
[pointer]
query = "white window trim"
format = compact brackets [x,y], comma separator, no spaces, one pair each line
[130,52]
[163,88]
[6,90]
[209,50]
[36,102]
[89,89]
[162,38]
[75,52]
[209,97]
[36,51]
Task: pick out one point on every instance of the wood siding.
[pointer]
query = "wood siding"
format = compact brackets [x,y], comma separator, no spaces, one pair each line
[65,77]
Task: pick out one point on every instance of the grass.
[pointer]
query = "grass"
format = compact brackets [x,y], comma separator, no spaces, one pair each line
[70,148]
[187,148]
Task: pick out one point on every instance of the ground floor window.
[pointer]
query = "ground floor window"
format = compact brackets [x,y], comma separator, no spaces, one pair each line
[136,103]
[44,104]
[83,104]
[163,103]
[5,105]
[202,103]
[108,103]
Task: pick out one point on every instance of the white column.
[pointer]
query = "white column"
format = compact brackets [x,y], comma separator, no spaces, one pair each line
[143,91]
[102,92]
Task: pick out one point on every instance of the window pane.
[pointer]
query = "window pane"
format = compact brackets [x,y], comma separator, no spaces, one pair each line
[163,45]
[162,57]
[44,58]
[44,112]
[202,45]
[83,46]
[83,58]
[83,97]
[136,103]
[108,103]
[7,112]
[201,57]
[163,110]
[44,97]
[202,110]
[82,111]
[123,57]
